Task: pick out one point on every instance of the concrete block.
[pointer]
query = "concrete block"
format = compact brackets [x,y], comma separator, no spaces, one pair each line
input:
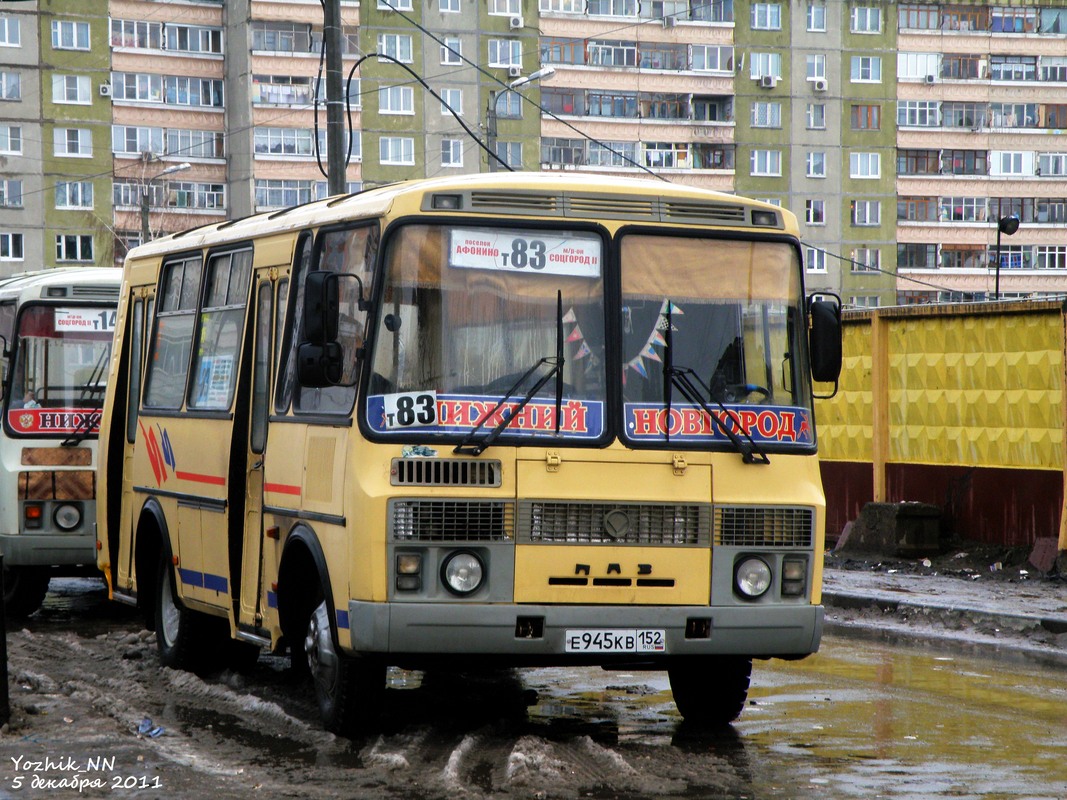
[905,530]
[1043,556]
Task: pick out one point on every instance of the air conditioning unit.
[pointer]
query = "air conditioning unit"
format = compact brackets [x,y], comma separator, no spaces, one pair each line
[820,85]
[515,23]
[105,90]
[767,81]
[515,71]
[931,79]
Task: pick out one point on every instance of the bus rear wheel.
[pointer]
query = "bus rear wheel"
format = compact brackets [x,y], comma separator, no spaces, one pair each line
[24,590]
[349,690]
[710,691]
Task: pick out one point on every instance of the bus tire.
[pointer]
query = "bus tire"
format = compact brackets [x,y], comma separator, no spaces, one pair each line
[178,630]
[349,690]
[24,590]
[710,691]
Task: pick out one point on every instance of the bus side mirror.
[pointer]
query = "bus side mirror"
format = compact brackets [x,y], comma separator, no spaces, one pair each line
[322,307]
[319,365]
[824,341]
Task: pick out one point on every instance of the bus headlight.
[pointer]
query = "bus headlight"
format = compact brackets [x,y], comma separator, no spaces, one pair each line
[462,572]
[752,578]
[67,517]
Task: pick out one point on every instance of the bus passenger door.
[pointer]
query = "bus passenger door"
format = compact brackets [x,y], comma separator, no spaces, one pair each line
[248,611]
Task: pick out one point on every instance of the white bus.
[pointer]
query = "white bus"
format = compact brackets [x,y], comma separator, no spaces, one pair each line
[56,328]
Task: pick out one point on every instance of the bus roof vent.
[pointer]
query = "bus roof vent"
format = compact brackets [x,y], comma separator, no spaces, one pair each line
[611,207]
[90,292]
[523,202]
[444,472]
[683,211]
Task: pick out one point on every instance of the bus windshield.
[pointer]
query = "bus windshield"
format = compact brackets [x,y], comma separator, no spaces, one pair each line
[736,337]
[60,369]
[468,311]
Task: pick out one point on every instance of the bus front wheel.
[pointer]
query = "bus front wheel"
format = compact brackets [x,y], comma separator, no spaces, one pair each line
[177,629]
[24,590]
[710,691]
[349,690]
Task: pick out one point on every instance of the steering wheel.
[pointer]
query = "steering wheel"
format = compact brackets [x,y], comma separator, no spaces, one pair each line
[734,392]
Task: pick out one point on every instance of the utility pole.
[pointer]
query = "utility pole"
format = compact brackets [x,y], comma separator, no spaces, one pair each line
[336,152]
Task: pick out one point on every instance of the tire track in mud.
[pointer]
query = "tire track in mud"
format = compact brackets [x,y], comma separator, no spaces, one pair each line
[82,689]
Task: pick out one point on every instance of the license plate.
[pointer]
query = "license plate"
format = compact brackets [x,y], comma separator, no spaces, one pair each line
[592,640]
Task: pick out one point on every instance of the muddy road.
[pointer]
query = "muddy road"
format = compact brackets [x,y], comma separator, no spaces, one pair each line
[94,715]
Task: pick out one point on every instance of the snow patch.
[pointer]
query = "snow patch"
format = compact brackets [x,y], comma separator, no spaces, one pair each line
[532,762]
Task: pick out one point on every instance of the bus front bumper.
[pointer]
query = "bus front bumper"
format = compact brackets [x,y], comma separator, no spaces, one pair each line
[48,549]
[539,632]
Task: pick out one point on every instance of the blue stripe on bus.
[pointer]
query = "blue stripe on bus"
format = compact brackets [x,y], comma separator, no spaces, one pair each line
[272,599]
[342,619]
[203,580]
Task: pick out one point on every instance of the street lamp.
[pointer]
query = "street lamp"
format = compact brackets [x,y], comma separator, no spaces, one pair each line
[146,183]
[493,111]
[1006,225]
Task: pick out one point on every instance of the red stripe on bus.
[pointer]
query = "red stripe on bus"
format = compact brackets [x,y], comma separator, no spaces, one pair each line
[214,480]
[281,488]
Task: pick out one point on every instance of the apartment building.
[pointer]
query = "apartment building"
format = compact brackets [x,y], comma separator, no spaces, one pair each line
[981,123]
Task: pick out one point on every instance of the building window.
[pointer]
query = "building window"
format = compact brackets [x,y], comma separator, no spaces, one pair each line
[612,8]
[917,256]
[448,6]
[863,301]
[816,115]
[815,259]
[272,193]
[194,92]
[286,141]
[562,6]
[866,213]
[1011,163]
[10,194]
[815,212]
[917,209]
[10,32]
[452,50]
[918,114]
[918,17]
[10,86]
[866,19]
[452,98]
[397,150]
[816,17]
[510,153]
[964,162]
[712,58]
[74,248]
[766,163]
[70,35]
[193,39]
[187,143]
[74,142]
[396,100]
[394,5]
[505,7]
[918,66]
[866,259]
[866,69]
[451,153]
[766,115]
[130,140]
[865,165]
[816,164]
[1051,257]
[963,209]
[75,194]
[140,35]
[766,17]
[505,53]
[815,66]
[866,118]
[11,247]
[395,45]
[11,139]
[765,65]
[71,89]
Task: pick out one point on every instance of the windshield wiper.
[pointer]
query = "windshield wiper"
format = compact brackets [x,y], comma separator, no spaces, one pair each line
[92,386]
[687,381]
[471,445]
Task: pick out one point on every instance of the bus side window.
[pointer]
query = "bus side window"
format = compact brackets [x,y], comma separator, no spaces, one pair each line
[168,365]
[220,329]
[133,399]
[261,368]
[283,395]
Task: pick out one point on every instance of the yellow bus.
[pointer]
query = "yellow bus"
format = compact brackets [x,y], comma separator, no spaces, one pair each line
[56,327]
[496,420]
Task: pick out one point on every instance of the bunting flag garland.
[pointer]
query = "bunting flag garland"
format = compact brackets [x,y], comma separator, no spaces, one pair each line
[655,339]
[570,316]
[576,335]
[583,351]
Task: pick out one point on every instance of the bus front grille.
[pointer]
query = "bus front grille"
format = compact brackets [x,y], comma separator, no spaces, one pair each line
[576,522]
[764,526]
[444,472]
[421,520]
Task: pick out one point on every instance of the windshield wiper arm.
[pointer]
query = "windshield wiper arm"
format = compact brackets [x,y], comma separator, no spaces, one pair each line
[471,445]
[684,379]
[91,387]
